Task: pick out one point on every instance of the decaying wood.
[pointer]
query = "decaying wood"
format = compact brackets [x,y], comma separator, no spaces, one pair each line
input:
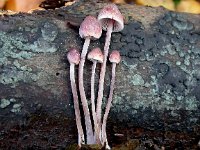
[158,80]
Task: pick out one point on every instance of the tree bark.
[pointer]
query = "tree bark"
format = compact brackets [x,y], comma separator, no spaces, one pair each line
[157,82]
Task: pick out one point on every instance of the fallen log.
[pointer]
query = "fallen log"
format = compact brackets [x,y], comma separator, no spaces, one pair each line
[157,88]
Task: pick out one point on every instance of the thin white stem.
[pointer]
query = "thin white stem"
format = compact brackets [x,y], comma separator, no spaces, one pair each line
[81,138]
[88,124]
[108,106]
[107,146]
[93,102]
[102,74]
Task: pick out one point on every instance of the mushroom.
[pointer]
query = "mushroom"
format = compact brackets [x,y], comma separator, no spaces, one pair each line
[114,59]
[89,29]
[73,57]
[111,20]
[95,56]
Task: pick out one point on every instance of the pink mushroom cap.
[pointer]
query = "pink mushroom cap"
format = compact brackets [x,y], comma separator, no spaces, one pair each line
[115,57]
[111,12]
[95,55]
[73,56]
[90,27]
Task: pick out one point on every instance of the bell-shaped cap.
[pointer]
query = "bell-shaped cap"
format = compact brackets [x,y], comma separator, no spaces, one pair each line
[90,27]
[115,57]
[73,56]
[95,55]
[111,13]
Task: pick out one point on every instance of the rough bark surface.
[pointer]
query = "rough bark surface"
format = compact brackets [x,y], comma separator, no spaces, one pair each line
[157,83]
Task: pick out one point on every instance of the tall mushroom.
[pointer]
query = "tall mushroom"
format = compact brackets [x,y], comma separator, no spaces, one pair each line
[95,56]
[114,59]
[73,57]
[89,29]
[111,20]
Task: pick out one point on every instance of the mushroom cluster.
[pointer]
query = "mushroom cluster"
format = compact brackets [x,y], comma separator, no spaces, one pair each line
[111,20]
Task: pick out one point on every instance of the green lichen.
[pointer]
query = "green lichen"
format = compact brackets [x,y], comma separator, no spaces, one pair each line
[137,80]
[154,85]
[163,52]
[21,67]
[17,73]
[131,67]
[179,98]
[117,100]
[187,60]
[151,95]
[185,69]
[16,108]
[182,25]
[13,100]
[4,103]
[191,103]
[178,63]
[149,56]
[181,53]
[41,45]
[13,76]
[49,32]
[7,102]
[147,84]
[15,47]
[170,49]
[196,50]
